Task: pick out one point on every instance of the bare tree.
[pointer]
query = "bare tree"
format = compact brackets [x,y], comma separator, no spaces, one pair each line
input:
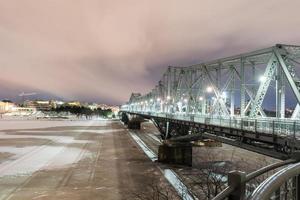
[156,190]
[209,174]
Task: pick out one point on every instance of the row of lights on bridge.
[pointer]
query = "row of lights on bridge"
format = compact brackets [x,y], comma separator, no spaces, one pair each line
[209,89]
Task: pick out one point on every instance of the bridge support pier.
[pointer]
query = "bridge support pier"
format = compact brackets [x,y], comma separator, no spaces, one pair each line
[132,121]
[134,125]
[124,118]
[177,153]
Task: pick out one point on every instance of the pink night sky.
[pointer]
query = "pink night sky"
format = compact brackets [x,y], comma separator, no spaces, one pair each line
[94,50]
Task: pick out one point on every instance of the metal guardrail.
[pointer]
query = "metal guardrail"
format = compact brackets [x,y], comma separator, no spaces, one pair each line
[270,188]
[237,180]
[280,127]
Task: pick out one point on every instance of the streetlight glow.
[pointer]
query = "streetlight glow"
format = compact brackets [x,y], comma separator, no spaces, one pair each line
[209,89]
[224,95]
[262,79]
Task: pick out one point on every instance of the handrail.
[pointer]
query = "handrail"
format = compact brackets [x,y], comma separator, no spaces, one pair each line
[231,188]
[237,180]
[269,186]
[265,169]
[225,193]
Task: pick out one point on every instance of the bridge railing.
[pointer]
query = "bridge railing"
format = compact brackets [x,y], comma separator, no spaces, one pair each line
[285,184]
[279,127]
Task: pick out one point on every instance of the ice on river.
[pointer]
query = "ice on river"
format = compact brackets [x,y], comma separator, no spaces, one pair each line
[27,160]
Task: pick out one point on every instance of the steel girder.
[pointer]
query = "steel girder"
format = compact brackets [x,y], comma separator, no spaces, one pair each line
[212,88]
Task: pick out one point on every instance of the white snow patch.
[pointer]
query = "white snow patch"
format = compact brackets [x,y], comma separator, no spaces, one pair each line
[30,159]
[169,174]
[144,147]
[181,189]
[70,131]
[154,137]
[31,124]
[57,139]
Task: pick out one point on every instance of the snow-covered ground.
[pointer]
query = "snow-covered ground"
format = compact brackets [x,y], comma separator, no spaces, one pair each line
[32,124]
[55,152]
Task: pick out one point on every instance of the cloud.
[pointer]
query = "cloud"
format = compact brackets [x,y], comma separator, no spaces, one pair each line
[104,50]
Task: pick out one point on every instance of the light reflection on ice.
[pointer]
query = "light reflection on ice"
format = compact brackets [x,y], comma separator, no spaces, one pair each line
[70,131]
[56,139]
[30,159]
[30,124]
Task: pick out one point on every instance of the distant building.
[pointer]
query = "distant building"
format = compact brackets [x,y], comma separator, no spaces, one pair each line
[41,105]
[74,103]
[92,106]
[6,106]
[10,108]
[115,109]
[23,111]
[56,104]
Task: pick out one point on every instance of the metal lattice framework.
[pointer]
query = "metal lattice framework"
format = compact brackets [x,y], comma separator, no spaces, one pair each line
[238,86]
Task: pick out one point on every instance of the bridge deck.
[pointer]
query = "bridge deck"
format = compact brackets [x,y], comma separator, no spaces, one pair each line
[270,131]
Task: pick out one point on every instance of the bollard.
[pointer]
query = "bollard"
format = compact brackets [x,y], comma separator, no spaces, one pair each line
[236,179]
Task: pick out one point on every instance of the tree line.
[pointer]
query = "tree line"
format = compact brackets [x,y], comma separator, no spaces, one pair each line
[80,111]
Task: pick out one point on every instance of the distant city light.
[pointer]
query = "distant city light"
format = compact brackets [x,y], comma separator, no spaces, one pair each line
[209,89]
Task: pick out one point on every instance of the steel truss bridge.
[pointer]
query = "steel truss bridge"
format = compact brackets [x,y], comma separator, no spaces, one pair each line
[251,100]
[240,99]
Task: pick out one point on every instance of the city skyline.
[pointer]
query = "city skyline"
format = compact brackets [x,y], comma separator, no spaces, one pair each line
[89,50]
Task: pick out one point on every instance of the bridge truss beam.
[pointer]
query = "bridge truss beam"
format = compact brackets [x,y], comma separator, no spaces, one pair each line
[229,86]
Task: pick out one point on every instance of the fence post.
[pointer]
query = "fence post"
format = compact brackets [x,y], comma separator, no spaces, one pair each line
[298,187]
[294,136]
[273,127]
[241,124]
[237,179]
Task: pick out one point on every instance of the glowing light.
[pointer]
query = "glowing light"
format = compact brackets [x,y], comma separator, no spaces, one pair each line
[158,99]
[209,89]
[224,95]
[151,100]
[185,100]
[168,97]
[200,98]
[262,79]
